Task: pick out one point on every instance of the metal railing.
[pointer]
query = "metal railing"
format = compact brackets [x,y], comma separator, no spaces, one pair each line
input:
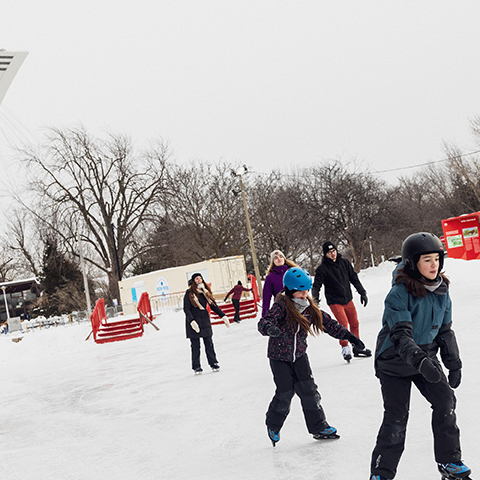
[172,302]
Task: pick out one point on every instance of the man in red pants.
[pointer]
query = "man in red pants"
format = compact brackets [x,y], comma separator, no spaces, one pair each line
[337,273]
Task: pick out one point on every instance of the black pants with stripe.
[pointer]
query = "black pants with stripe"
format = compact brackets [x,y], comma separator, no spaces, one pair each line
[396,402]
[290,378]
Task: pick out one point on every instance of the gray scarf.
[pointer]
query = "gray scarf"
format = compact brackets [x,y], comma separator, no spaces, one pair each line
[439,287]
[300,304]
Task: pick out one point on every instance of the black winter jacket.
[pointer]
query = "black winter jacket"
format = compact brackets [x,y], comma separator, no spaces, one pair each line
[337,277]
[292,343]
[202,317]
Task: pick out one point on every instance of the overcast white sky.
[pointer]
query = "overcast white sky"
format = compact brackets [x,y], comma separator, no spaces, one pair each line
[268,83]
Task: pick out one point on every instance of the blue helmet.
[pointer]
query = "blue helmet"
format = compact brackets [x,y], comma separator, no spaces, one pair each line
[297,278]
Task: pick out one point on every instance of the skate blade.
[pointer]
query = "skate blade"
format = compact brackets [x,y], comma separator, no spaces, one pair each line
[451,477]
[327,437]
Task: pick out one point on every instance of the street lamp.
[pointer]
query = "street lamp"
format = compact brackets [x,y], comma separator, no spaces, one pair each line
[6,304]
[238,173]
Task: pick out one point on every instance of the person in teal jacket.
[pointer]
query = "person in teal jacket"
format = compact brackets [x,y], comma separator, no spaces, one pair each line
[416,325]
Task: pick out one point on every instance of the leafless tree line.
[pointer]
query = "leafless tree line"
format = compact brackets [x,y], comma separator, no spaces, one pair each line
[138,210]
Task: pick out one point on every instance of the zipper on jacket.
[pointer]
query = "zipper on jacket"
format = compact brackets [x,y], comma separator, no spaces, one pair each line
[295,341]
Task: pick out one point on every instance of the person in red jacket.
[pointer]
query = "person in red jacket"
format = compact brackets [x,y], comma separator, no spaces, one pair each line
[237,291]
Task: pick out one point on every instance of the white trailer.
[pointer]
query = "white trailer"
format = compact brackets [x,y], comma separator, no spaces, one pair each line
[167,286]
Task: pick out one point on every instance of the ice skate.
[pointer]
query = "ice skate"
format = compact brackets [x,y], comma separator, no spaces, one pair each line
[358,352]
[273,435]
[454,470]
[198,371]
[347,353]
[216,367]
[329,433]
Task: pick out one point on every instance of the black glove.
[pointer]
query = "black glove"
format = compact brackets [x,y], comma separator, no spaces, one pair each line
[356,341]
[273,331]
[363,299]
[430,370]
[454,378]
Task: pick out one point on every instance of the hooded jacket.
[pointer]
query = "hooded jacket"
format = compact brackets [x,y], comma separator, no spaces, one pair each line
[292,343]
[272,286]
[413,328]
[337,277]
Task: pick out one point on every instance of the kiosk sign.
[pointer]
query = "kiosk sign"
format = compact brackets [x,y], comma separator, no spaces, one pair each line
[462,237]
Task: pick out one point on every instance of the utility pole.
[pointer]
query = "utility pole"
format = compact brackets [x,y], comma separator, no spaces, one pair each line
[116,252]
[84,273]
[6,304]
[241,171]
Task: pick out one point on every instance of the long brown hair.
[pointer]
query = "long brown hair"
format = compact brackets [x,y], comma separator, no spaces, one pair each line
[194,291]
[294,317]
[415,283]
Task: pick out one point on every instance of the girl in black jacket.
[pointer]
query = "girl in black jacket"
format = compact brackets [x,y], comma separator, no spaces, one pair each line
[197,321]
[288,323]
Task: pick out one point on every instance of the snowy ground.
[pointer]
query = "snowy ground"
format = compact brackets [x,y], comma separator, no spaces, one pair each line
[72,409]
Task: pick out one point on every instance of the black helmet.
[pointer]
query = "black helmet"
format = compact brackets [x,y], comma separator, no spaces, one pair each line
[420,244]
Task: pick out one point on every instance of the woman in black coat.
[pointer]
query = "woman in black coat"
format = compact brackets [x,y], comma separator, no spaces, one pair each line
[197,321]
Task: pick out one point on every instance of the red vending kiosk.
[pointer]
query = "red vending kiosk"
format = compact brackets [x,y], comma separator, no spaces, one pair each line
[462,236]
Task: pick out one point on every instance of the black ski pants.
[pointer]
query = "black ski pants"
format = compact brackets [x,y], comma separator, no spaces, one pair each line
[209,350]
[236,305]
[290,378]
[396,403]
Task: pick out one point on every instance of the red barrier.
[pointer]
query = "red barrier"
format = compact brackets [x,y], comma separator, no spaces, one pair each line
[145,307]
[98,316]
[253,282]
[110,330]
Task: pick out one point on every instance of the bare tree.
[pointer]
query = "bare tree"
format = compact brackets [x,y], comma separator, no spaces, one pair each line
[169,245]
[464,179]
[101,188]
[284,217]
[26,252]
[349,204]
[7,265]
[203,206]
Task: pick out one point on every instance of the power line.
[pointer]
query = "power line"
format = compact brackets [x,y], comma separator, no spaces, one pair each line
[383,171]
[426,163]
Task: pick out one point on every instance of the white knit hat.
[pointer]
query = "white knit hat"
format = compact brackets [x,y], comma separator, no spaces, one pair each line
[276,253]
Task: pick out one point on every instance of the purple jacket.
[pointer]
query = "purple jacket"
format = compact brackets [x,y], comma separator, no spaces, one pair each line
[272,286]
[292,344]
